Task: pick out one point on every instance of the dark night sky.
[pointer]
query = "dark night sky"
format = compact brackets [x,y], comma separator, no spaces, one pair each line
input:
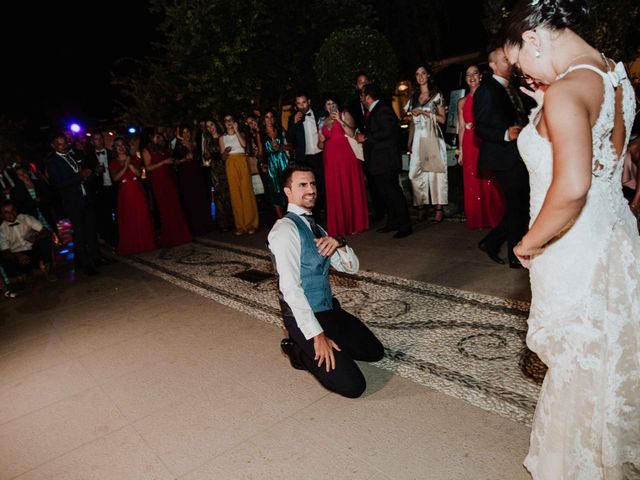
[62,71]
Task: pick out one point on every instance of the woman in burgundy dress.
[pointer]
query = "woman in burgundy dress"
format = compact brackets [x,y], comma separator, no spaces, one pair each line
[196,200]
[157,161]
[135,228]
[347,210]
[483,203]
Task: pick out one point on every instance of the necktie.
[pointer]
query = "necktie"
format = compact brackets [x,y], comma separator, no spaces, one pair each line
[517,104]
[366,115]
[314,226]
[14,224]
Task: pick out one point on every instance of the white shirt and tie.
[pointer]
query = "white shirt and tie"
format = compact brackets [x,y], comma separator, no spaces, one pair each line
[310,134]
[103,159]
[285,244]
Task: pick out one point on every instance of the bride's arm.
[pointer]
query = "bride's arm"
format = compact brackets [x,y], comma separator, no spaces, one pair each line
[567,118]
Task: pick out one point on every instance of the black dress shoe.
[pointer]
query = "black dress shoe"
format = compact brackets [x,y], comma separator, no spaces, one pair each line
[385,229]
[515,264]
[290,349]
[492,255]
[403,233]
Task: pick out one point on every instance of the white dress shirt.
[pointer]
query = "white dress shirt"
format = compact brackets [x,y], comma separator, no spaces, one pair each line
[103,159]
[13,237]
[310,134]
[285,244]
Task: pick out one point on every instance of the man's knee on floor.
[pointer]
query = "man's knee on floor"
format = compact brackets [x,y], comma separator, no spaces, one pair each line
[353,389]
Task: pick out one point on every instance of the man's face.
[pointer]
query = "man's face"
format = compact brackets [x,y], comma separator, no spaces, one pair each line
[367,100]
[98,141]
[500,64]
[361,82]
[302,191]
[60,144]
[9,213]
[302,104]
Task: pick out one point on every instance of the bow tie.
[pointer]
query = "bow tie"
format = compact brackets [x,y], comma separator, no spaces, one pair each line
[14,224]
[100,152]
[308,114]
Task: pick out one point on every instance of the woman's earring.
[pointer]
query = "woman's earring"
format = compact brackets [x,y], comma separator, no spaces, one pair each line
[537,53]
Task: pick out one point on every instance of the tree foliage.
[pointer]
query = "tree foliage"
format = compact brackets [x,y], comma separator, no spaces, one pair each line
[222,56]
[347,52]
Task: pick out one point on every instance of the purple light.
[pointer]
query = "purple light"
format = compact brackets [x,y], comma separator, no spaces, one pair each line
[75,128]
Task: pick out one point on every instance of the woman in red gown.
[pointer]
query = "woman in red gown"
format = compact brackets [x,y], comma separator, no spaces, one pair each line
[135,228]
[157,161]
[196,199]
[483,203]
[347,210]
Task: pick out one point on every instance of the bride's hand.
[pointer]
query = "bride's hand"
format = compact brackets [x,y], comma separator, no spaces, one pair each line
[525,254]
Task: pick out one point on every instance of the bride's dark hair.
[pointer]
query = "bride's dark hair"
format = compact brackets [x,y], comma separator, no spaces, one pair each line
[551,14]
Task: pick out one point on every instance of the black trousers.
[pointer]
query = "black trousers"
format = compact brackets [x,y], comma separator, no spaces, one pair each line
[106,215]
[387,185]
[42,250]
[85,234]
[514,184]
[356,342]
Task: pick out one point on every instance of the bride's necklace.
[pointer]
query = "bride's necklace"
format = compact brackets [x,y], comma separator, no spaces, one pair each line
[570,62]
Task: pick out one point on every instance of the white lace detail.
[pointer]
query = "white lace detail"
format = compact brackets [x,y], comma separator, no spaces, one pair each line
[585,313]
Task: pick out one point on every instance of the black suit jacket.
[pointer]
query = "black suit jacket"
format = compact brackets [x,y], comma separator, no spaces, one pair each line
[295,135]
[69,183]
[494,114]
[356,110]
[381,147]
[92,162]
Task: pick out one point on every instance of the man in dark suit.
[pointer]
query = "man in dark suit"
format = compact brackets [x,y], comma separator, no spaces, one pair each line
[499,117]
[76,185]
[383,161]
[302,134]
[105,193]
[357,110]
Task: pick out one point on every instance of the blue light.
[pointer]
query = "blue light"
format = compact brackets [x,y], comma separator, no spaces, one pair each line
[132,130]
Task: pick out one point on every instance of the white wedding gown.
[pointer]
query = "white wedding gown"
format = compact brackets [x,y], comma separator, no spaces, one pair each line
[585,314]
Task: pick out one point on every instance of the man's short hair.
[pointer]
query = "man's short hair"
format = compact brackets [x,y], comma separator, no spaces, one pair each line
[294,167]
[6,203]
[372,90]
[302,93]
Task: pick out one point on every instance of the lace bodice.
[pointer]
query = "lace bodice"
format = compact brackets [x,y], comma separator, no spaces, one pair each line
[606,165]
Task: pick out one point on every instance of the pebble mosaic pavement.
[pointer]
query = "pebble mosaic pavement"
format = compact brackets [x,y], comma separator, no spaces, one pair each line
[463,344]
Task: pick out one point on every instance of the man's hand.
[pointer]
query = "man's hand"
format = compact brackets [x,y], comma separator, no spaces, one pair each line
[323,347]
[327,246]
[514,132]
[298,117]
[360,137]
[85,173]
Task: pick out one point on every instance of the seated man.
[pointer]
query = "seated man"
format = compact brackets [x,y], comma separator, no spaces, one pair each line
[324,339]
[24,243]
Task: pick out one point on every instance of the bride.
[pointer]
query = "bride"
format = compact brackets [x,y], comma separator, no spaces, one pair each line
[582,249]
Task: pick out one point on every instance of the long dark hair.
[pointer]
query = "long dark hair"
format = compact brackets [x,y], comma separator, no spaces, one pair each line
[276,124]
[551,14]
[431,83]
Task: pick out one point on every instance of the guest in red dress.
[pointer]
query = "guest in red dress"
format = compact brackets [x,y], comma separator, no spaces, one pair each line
[483,203]
[196,200]
[347,210]
[134,219]
[157,161]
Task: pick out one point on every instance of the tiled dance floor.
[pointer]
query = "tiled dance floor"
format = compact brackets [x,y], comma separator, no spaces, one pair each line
[464,344]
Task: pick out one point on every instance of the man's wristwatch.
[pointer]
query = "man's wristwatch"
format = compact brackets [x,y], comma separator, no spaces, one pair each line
[342,242]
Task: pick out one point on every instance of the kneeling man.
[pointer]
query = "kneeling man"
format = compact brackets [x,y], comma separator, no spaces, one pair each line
[324,339]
